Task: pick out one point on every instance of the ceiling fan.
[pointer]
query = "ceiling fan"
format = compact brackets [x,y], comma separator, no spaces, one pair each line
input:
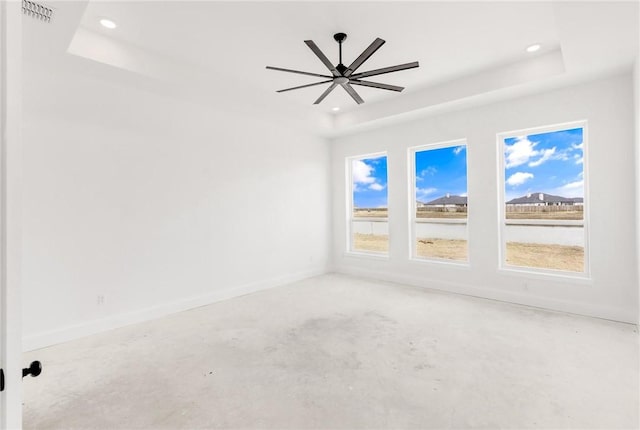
[346,76]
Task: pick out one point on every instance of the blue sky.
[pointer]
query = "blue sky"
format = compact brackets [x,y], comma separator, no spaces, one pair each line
[440,172]
[549,163]
[370,182]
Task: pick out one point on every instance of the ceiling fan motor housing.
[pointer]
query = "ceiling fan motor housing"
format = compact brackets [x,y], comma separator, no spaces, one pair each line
[341,68]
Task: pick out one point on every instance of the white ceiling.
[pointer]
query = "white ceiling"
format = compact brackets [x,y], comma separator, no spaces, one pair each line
[232,42]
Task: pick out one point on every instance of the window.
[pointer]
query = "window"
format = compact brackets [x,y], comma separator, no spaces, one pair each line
[543,201]
[439,203]
[368,213]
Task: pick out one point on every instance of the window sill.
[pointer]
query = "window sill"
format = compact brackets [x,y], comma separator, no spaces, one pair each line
[369,219]
[441,262]
[546,222]
[364,254]
[440,220]
[556,275]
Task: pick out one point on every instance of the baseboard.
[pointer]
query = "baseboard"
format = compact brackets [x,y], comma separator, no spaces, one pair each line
[68,333]
[584,309]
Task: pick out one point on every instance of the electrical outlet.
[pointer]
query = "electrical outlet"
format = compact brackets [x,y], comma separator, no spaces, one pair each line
[100,299]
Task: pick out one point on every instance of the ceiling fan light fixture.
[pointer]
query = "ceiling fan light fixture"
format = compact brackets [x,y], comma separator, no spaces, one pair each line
[533,48]
[335,109]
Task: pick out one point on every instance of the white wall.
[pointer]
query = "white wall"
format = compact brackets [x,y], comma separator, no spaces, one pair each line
[607,105]
[636,100]
[158,203]
[11,48]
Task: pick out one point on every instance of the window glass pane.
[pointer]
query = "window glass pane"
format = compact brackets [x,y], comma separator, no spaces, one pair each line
[369,224]
[544,200]
[440,228]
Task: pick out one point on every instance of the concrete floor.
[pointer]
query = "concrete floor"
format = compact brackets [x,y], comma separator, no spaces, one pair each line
[340,352]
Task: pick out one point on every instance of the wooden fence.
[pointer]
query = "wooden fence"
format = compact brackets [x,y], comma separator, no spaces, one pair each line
[544,209]
[458,209]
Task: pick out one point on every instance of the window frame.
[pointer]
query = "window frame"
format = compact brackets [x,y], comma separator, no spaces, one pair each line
[413,219]
[350,206]
[502,221]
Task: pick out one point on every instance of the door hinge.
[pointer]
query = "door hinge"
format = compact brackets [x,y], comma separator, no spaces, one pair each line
[1,379]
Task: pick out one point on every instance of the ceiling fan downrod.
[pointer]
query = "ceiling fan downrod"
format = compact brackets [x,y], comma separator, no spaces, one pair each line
[340,37]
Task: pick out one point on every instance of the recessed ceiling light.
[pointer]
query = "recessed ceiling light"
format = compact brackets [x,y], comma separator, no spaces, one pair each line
[533,48]
[335,109]
[107,23]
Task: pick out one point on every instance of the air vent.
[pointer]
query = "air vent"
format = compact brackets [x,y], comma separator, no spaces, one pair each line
[36,10]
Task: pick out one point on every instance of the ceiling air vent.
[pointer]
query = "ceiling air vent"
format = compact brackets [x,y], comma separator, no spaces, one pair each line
[36,10]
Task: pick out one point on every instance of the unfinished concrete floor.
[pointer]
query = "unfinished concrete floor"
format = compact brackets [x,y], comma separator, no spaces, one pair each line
[340,352]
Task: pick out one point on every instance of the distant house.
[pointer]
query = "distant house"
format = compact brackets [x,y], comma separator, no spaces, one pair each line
[544,199]
[447,201]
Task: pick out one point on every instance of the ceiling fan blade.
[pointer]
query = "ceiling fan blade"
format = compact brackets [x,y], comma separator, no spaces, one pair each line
[326,93]
[322,57]
[304,86]
[348,88]
[376,85]
[385,70]
[280,69]
[375,45]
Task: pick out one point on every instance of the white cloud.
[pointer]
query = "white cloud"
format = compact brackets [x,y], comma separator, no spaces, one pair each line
[523,151]
[579,159]
[458,149]
[546,154]
[362,173]
[573,185]
[519,178]
[572,189]
[424,192]
[430,170]
[520,152]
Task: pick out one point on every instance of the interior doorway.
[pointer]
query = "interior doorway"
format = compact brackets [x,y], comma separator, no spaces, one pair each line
[10,168]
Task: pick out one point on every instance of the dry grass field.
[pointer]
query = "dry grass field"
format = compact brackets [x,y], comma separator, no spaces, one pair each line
[449,249]
[559,215]
[382,213]
[557,257]
[545,215]
[441,215]
[370,242]
[370,213]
